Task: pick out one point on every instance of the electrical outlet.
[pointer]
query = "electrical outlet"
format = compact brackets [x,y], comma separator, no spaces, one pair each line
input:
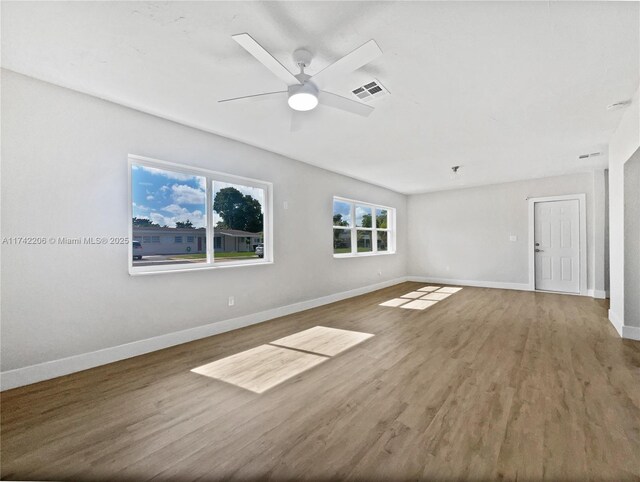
[513,238]
[285,205]
[379,273]
[232,301]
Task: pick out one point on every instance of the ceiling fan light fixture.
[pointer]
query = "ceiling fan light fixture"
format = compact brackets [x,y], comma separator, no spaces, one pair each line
[303,97]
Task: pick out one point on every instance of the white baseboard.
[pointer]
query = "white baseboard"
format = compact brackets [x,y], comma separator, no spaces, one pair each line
[631,332]
[599,294]
[491,284]
[616,321]
[64,366]
[479,284]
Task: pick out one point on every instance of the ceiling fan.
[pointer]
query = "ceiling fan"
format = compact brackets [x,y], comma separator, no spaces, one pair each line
[305,92]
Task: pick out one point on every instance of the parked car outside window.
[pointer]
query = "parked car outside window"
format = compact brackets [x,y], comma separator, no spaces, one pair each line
[137,250]
[260,250]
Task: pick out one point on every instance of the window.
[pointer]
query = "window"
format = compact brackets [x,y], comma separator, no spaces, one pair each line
[238,216]
[362,229]
[196,218]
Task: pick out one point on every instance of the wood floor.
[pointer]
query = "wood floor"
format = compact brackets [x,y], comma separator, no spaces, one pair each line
[486,384]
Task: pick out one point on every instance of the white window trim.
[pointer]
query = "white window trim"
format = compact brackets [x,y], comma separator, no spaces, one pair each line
[391,229]
[210,177]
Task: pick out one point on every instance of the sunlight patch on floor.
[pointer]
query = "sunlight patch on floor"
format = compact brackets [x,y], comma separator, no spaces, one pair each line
[418,304]
[429,288]
[423,298]
[266,366]
[260,368]
[437,296]
[395,302]
[323,340]
[449,289]
[413,294]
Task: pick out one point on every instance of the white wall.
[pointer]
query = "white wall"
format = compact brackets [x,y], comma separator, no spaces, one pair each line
[64,173]
[632,241]
[464,234]
[624,142]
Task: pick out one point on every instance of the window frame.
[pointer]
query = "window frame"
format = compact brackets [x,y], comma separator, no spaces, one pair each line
[354,228]
[210,176]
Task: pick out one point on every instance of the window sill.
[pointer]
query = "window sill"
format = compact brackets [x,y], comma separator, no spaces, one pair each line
[143,271]
[362,255]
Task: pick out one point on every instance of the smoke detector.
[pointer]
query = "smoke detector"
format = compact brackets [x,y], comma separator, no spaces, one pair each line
[370,91]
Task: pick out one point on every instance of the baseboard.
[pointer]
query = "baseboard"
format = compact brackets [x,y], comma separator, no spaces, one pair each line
[631,332]
[598,294]
[491,284]
[64,366]
[478,284]
[616,321]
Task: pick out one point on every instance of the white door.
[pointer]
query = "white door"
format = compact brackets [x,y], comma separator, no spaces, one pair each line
[557,245]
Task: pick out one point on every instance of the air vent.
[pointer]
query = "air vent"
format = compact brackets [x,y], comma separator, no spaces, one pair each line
[370,91]
[586,156]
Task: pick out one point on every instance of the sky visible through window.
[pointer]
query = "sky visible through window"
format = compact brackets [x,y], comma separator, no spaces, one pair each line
[342,209]
[166,197]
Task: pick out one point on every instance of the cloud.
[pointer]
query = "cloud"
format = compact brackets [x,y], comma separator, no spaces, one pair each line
[140,211]
[183,194]
[177,213]
[150,197]
[175,209]
[178,176]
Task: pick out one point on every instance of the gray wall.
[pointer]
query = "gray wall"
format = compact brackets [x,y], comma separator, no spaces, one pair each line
[464,234]
[632,241]
[64,173]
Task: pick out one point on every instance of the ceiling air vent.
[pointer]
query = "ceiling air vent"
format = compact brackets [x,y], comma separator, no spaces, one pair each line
[370,91]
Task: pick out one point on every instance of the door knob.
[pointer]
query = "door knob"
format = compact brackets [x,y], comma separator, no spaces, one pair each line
[538,250]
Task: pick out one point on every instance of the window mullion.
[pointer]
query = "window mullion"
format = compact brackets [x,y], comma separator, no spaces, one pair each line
[374,236]
[354,230]
[209,234]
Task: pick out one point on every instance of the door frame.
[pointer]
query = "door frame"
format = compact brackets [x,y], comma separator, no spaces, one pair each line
[582,216]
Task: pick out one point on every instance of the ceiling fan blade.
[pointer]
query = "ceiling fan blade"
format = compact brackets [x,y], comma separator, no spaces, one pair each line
[266,96]
[350,62]
[265,58]
[297,120]
[342,103]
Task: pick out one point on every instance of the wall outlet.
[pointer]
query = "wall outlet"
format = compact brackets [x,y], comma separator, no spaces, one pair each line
[232,301]
[513,238]
[379,273]
[285,205]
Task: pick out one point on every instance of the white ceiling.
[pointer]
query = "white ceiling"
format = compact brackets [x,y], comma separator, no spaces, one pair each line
[507,90]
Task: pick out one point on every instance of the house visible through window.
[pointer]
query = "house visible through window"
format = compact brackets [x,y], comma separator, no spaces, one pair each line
[174,209]
[362,228]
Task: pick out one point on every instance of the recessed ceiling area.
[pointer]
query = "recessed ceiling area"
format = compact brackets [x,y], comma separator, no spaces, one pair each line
[506,90]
